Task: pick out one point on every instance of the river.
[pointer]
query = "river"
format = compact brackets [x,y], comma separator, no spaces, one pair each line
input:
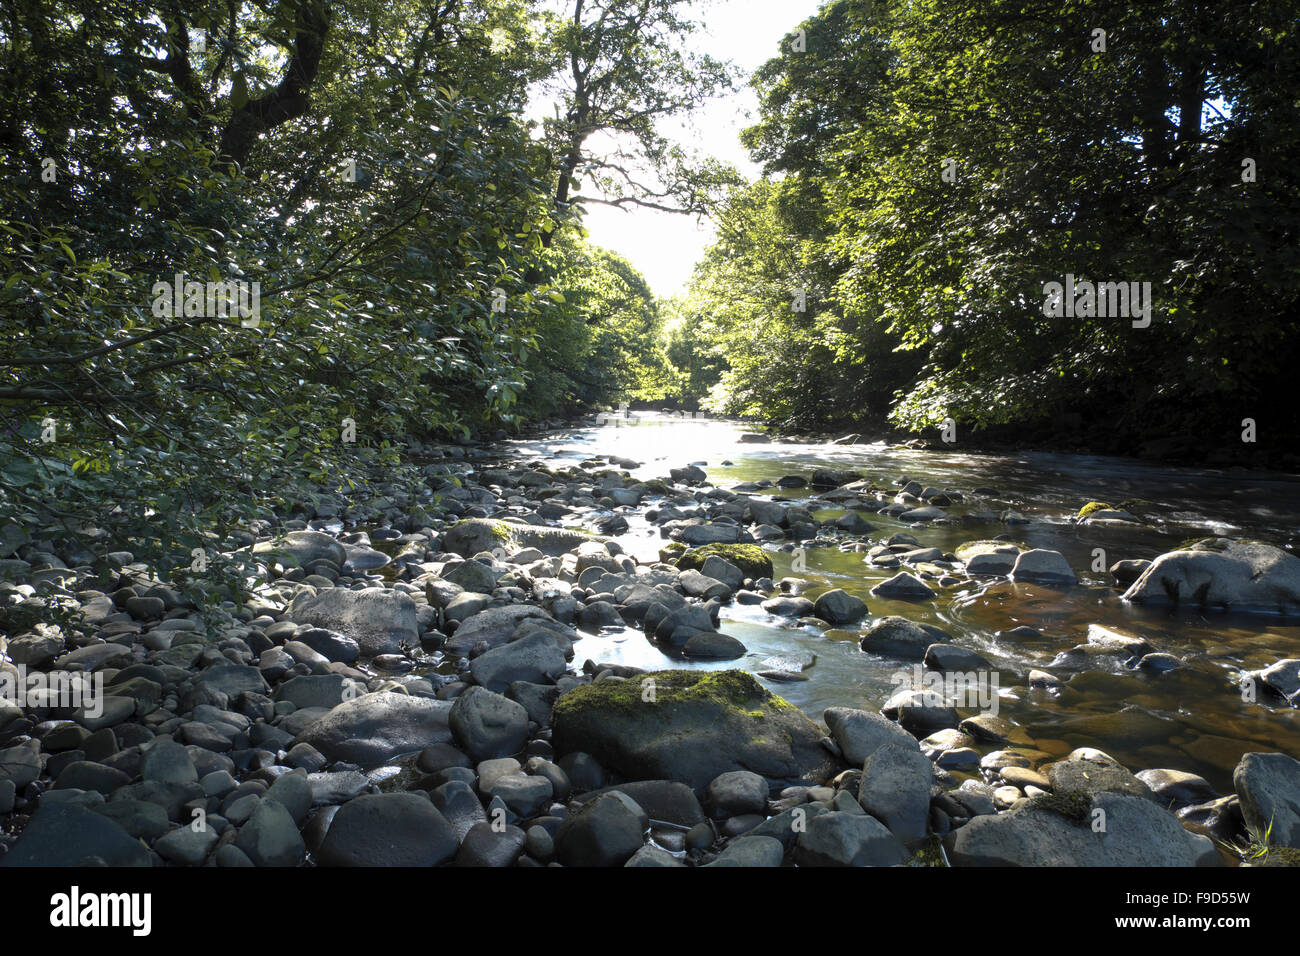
[1192,718]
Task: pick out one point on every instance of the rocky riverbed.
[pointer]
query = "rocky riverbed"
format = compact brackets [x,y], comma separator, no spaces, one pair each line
[421,682]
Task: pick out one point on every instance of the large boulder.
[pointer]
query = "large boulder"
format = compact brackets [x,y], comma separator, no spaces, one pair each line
[374,728]
[64,834]
[895,789]
[1059,831]
[1268,786]
[535,659]
[473,535]
[1238,575]
[388,829]
[304,548]
[690,726]
[495,626]
[379,620]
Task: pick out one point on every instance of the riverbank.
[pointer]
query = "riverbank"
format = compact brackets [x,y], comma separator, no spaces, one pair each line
[421,681]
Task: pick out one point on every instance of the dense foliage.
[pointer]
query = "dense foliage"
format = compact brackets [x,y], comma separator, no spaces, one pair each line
[368,165]
[933,165]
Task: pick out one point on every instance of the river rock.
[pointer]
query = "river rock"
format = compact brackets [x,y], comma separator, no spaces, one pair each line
[486,846]
[1095,774]
[1268,786]
[1137,833]
[379,620]
[64,834]
[474,535]
[903,587]
[895,789]
[304,548]
[736,792]
[534,659]
[487,725]
[860,733]
[1176,788]
[1245,576]
[375,728]
[388,829]
[495,626]
[837,607]
[847,839]
[606,831]
[898,637]
[1041,565]
[698,725]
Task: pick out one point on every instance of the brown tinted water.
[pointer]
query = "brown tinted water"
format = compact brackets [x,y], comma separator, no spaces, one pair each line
[1192,718]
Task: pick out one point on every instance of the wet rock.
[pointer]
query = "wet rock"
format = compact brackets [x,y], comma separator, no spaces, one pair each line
[903,587]
[949,657]
[650,855]
[837,607]
[920,712]
[788,606]
[1175,788]
[1126,572]
[1158,663]
[898,637]
[1043,566]
[711,645]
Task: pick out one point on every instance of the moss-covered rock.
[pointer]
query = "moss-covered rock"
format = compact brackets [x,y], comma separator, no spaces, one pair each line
[469,537]
[750,558]
[1093,506]
[672,551]
[690,726]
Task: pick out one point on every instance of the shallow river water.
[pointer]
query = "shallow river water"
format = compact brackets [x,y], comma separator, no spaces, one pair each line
[1192,718]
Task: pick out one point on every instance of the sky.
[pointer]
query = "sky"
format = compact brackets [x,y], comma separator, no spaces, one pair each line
[664,246]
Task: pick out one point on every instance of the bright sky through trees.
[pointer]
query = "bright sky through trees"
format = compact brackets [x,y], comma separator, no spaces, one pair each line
[665,246]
